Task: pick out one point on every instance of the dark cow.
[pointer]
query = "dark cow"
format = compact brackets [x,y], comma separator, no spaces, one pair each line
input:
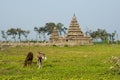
[28,59]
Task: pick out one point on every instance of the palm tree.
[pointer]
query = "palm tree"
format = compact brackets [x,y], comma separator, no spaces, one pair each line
[113,36]
[12,32]
[25,34]
[50,26]
[99,34]
[44,31]
[38,31]
[61,28]
[4,35]
[19,32]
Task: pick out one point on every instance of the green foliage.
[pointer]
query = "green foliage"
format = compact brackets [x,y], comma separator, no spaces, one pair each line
[14,32]
[50,26]
[63,63]
[4,35]
[103,35]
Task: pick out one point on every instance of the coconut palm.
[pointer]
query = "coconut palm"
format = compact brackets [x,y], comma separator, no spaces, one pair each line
[4,35]
[50,26]
[38,31]
[19,33]
[25,34]
[12,32]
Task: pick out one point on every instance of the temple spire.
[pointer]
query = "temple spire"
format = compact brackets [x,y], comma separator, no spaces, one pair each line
[74,15]
[74,28]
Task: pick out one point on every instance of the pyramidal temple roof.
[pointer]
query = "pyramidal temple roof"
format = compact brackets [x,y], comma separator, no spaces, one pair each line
[74,28]
[55,33]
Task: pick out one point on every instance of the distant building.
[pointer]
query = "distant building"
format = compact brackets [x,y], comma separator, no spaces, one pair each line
[74,36]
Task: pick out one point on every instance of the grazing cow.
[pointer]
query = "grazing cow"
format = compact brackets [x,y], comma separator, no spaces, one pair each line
[28,59]
[40,56]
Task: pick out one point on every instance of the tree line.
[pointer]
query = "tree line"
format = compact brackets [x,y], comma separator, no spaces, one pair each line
[103,35]
[44,31]
[17,33]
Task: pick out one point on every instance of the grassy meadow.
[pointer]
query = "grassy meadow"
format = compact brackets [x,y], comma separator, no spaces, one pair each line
[63,63]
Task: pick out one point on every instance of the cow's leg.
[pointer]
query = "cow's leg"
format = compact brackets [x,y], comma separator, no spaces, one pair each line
[40,63]
[39,66]
[37,61]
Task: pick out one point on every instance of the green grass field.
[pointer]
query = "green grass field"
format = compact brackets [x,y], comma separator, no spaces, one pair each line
[63,63]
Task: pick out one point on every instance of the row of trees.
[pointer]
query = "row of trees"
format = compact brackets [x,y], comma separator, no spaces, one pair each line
[14,32]
[46,30]
[17,33]
[102,35]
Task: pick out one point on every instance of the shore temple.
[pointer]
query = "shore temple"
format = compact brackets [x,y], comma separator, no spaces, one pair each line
[75,36]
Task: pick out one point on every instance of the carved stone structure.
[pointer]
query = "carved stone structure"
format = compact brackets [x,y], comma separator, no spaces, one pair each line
[54,37]
[74,36]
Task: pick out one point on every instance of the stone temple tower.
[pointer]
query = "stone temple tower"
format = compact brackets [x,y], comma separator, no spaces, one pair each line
[75,36]
[74,30]
[54,37]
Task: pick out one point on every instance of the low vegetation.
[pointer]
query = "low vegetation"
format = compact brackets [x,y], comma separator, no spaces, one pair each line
[63,63]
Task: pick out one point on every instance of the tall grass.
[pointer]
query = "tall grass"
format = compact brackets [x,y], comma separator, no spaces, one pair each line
[64,63]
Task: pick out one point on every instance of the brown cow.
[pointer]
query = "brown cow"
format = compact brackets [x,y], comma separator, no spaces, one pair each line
[40,56]
[28,59]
